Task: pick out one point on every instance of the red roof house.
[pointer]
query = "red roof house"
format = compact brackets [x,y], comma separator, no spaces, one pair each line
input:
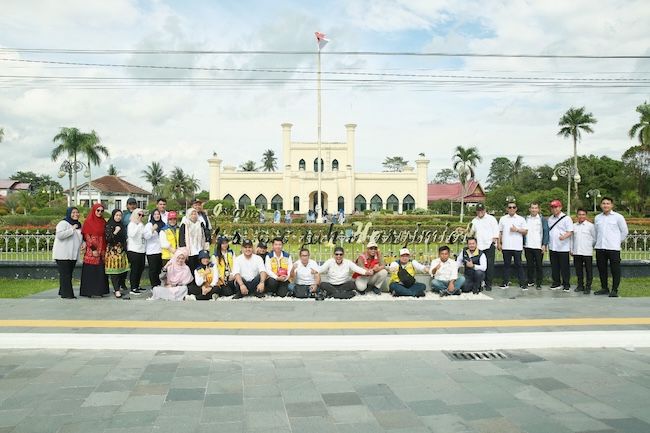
[452,191]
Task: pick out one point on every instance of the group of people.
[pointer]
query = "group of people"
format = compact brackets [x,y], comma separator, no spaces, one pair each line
[535,234]
[181,266]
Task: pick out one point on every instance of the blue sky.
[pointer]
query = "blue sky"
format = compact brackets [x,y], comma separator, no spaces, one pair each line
[180,125]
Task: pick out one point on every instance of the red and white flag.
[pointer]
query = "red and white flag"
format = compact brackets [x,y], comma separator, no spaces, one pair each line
[321,40]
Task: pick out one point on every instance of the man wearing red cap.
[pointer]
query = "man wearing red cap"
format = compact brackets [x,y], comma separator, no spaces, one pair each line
[559,245]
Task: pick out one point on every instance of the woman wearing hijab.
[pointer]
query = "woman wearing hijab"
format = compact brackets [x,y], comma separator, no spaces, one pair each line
[93,276]
[153,249]
[135,250]
[65,251]
[204,287]
[192,236]
[116,263]
[224,258]
[176,277]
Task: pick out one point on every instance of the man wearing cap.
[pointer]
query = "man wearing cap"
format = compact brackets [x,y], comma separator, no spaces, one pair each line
[249,272]
[203,216]
[512,228]
[485,229]
[611,231]
[371,259]
[535,244]
[169,236]
[402,276]
[475,264]
[559,245]
[278,266]
[131,205]
[261,250]
[338,270]
[444,272]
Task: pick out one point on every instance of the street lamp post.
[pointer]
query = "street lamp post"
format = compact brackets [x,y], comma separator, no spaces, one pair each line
[571,173]
[593,193]
[71,167]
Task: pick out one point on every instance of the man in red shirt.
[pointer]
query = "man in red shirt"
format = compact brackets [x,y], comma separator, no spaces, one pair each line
[371,259]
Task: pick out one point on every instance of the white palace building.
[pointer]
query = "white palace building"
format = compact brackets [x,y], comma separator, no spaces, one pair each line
[295,186]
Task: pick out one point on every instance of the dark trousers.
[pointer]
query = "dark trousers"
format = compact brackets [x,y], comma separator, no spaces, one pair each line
[193,262]
[560,268]
[489,273]
[250,285]
[66,268]
[473,279]
[136,260]
[584,267]
[119,281]
[534,269]
[155,266]
[228,289]
[334,290]
[278,288]
[417,289]
[195,290]
[508,256]
[614,258]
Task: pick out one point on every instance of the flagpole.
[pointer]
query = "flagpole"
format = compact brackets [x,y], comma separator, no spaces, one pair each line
[319,208]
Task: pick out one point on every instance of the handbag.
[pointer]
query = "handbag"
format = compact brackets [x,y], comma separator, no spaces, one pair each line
[406,279]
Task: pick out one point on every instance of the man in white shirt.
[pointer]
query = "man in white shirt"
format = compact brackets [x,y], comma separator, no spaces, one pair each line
[339,270]
[582,249]
[485,229]
[475,264]
[161,205]
[611,231]
[535,244]
[305,276]
[203,216]
[444,273]
[249,272]
[559,245]
[278,268]
[512,228]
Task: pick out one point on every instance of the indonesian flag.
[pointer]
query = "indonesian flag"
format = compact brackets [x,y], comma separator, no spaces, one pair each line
[321,40]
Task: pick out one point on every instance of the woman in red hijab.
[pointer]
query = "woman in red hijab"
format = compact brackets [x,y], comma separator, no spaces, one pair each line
[94,281]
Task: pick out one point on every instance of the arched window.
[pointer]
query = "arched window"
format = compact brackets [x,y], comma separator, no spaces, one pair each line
[244,201]
[408,203]
[260,202]
[335,165]
[276,202]
[296,204]
[341,203]
[316,164]
[392,203]
[229,198]
[301,165]
[360,203]
[376,203]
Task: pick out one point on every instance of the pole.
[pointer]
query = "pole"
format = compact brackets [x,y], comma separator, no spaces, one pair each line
[70,189]
[568,193]
[319,208]
[594,203]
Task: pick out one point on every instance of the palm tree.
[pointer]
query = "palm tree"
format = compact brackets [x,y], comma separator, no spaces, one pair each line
[70,141]
[2,134]
[26,200]
[642,128]
[112,171]
[465,161]
[155,175]
[574,120]
[269,161]
[93,150]
[248,166]
[515,167]
[180,186]
[394,163]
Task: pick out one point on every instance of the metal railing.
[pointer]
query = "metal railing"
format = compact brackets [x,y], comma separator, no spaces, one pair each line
[33,247]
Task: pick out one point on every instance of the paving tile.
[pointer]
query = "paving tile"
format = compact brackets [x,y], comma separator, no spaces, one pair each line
[84,426]
[371,427]
[312,424]
[628,425]
[116,385]
[149,389]
[474,411]
[342,399]
[547,384]
[12,417]
[263,404]
[306,409]
[110,398]
[142,403]
[223,400]
[494,425]
[41,424]
[600,410]
[134,419]
[182,394]
[268,390]
[351,414]
[394,419]
[226,414]
[429,407]
[182,408]
[266,419]
[222,427]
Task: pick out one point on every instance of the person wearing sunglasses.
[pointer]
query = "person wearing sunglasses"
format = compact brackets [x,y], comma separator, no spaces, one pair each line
[338,269]
[512,229]
[93,274]
[135,250]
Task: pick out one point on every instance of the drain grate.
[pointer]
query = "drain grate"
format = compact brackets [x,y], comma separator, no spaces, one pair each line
[477,356]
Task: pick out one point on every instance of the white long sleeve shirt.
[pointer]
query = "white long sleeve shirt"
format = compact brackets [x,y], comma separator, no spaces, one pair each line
[611,231]
[583,239]
[446,272]
[304,276]
[482,262]
[339,274]
[135,237]
[67,241]
[152,240]
[485,230]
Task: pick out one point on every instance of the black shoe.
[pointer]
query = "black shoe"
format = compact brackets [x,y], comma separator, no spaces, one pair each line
[444,293]
[566,289]
[587,291]
[238,296]
[488,288]
[602,292]
[420,295]
[504,286]
[555,286]
[259,294]
[531,284]
[613,294]
[475,291]
[376,290]
[69,297]
[136,291]
[579,289]
[524,288]
[539,287]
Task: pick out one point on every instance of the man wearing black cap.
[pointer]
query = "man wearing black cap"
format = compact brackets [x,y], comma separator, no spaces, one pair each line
[249,272]
[203,216]
[485,229]
[131,205]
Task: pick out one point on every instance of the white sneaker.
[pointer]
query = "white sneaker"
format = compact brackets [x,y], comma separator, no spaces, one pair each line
[214,297]
[190,298]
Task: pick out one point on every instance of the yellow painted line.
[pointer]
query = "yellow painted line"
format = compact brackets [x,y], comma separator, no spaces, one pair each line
[426,324]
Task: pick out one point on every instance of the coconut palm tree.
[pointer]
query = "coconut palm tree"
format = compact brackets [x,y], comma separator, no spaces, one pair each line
[269,161]
[573,122]
[2,134]
[155,175]
[93,150]
[70,142]
[515,168]
[465,161]
[180,186]
[112,171]
[643,127]
[26,200]
[248,166]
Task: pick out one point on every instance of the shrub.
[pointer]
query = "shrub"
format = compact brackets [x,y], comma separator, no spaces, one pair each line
[28,220]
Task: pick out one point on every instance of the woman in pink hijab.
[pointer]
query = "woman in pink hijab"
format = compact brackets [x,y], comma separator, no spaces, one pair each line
[175,278]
